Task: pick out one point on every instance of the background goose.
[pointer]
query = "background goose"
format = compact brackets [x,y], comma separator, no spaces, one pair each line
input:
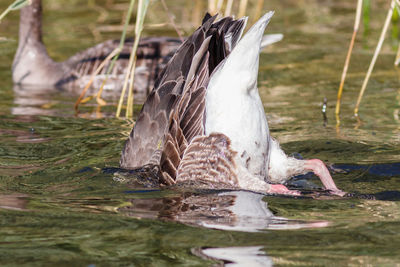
[33,66]
[201,127]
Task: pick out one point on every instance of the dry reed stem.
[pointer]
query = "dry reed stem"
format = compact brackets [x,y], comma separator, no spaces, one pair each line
[197,12]
[121,98]
[347,62]
[377,50]
[397,60]
[129,104]
[172,20]
[242,8]
[219,6]
[259,8]
[103,12]
[114,54]
[99,68]
[212,6]
[141,13]
[228,8]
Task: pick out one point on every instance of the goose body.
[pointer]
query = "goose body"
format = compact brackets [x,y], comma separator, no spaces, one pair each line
[233,104]
[214,127]
[33,66]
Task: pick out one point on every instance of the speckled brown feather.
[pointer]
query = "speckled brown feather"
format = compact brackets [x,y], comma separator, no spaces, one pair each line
[209,158]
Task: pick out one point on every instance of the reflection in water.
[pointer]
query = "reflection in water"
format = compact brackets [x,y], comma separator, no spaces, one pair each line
[34,101]
[229,210]
[51,101]
[14,202]
[237,256]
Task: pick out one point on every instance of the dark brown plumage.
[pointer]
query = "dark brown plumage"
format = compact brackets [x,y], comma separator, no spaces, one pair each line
[169,129]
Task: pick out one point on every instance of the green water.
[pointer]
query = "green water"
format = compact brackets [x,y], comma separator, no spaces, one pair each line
[59,204]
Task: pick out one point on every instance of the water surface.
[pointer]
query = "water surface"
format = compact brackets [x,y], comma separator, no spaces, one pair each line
[59,203]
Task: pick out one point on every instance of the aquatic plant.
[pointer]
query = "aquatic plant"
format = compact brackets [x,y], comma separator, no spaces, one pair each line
[389,16]
[114,56]
[346,64]
[141,12]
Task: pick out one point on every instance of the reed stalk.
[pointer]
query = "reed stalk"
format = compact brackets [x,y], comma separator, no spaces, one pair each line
[228,8]
[397,3]
[377,51]
[242,8]
[121,98]
[347,62]
[18,4]
[397,60]
[219,6]
[198,12]
[120,46]
[212,6]
[141,13]
[394,28]
[114,55]
[172,20]
[259,9]
[366,17]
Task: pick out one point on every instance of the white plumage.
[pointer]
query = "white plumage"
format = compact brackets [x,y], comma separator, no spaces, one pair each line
[233,105]
[234,108]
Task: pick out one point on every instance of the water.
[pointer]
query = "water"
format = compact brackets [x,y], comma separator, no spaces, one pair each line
[59,203]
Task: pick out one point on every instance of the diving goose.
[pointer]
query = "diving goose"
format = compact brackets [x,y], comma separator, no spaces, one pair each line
[204,120]
[33,66]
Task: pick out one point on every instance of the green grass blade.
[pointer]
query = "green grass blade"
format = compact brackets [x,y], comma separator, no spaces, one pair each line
[366,17]
[123,37]
[141,13]
[395,27]
[18,4]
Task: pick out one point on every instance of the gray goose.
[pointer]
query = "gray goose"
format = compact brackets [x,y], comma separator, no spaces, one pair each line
[204,122]
[33,66]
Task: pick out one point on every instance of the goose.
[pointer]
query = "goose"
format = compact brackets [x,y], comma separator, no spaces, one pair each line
[204,122]
[33,67]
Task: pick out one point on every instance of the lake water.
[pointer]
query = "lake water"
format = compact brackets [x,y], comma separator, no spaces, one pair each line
[60,203]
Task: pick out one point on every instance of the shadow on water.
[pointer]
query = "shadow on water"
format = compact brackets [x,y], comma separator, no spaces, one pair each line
[375,173]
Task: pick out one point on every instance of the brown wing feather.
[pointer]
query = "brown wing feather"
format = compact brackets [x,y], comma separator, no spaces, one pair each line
[179,96]
[179,137]
[164,98]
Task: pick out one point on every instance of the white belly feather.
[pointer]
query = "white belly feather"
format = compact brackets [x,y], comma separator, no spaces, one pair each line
[234,107]
[240,116]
